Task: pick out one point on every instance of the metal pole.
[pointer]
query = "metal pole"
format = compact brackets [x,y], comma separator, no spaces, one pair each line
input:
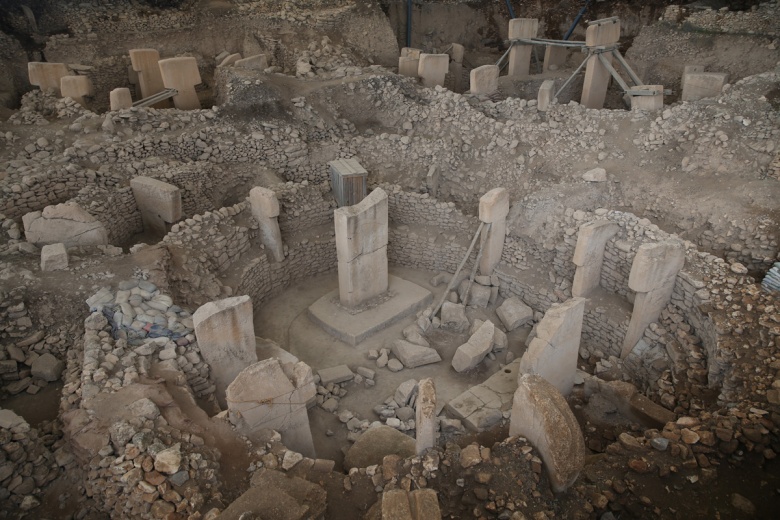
[511,10]
[409,23]
[572,76]
[457,271]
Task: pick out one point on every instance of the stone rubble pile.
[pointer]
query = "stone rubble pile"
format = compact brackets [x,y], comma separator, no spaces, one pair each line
[30,459]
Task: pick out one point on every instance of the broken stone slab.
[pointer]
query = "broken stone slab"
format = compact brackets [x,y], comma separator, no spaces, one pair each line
[453,317]
[413,356]
[226,336]
[471,353]
[159,202]
[54,257]
[68,224]
[425,415]
[700,85]
[513,313]
[541,414]
[375,444]
[479,295]
[405,392]
[265,396]
[47,367]
[337,374]
[120,99]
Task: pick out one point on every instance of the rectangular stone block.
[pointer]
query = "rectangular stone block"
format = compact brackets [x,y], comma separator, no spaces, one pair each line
[145,63]
[46,76]
[76,88]
[410,52]
[408,66]
[484,79]
[337,374]
[594,88]
[433,68]
[479,345]
[494,205]
[120,99]
[656,265]
[54,257]
[702,85]
[653,102]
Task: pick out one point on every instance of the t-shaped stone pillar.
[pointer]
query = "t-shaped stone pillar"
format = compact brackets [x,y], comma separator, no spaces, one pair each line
[361,247]
[46,76]
[589,255]
[158,201]
[182,74]
[652,276]
[409,62]
[265,209]
[144,63]
[76,87]
[225,332]
[520,54]
[594,88]
[493,209]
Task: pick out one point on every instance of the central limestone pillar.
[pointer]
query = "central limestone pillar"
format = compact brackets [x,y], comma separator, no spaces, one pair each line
[594,89]
[361,248]
[520,54]
[493,209]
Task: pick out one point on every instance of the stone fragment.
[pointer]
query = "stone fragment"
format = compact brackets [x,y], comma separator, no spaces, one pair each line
[453,317]
[541,415]
[54,257]
[513,313]
[413,356]
[425,415]
[406,392]
[471,353]
[595,175]
[168,461]
[47,367]
[375,444]
[337,374]
[67,223]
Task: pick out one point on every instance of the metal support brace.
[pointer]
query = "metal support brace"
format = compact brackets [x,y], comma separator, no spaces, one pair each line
[604,61]
[626,67]
[566,84]
[156,98]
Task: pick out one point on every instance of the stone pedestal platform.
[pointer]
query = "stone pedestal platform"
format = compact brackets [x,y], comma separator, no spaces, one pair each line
[352,326]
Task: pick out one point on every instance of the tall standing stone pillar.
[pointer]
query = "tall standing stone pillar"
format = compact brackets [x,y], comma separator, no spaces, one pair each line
[225,332]
[361,247]
[652,276]
[589,255]
[433,68]
[144,63]
[425,418]
[265,209]
[182,74]
[409,62]
[594,88]
[520,54]
[456,66]
[46,76]
[158,202]
[493,209]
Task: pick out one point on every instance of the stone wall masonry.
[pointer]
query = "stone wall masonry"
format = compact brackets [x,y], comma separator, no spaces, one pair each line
[409,208]
[115,208]
[304,206]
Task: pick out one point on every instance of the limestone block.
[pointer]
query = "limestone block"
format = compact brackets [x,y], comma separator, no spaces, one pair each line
[589,254]
[158,202]
[541,415]
[553,353]
[395,505]
[226,336]
[514,313]
[520,55]
[181,74]
[229,60]
[545,96]
[273,494]
[408,66]
[479,345]
[654,102]
[337,374]
[120,99]
[433,68]
[484,79]
[424,504]
[375,444]
[265,210]
[690,69]
[453,317]
[46,76]
[494,205]
[413,356]
[410,52]
[425,415]
[264,396]
[406,392]
[361,246]
[47,367]
[54,257]
[700,85]
[479,295]
[656,265]
[66,223]
[145,63]
[76,88]
[256,62]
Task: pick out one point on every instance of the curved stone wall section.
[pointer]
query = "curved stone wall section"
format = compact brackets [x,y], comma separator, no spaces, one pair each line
[115,208]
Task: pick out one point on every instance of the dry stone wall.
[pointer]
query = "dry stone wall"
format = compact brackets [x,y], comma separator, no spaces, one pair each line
[115,208]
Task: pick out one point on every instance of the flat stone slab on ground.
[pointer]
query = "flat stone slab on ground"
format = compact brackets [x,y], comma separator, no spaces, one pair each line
[408,298]
[413,356]
[337,374]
